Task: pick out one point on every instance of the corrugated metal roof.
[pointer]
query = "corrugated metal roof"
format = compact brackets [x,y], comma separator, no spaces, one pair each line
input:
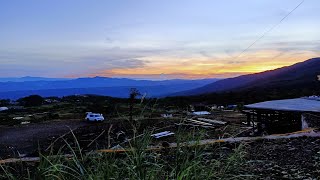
[298,104]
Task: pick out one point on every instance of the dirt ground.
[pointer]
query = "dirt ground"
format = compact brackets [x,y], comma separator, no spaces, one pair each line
[296,158]
[23,139]
[26,140]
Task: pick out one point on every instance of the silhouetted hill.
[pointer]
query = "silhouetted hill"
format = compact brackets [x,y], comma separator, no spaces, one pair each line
[300,75]
[116,87]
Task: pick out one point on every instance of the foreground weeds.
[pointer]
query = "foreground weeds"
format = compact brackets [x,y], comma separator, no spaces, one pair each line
[196,162]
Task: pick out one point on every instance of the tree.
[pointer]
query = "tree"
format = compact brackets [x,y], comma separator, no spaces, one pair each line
[132,97]
[133,94]
[32,100]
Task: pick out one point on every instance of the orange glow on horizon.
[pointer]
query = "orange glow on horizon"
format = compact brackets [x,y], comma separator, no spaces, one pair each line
[194,68]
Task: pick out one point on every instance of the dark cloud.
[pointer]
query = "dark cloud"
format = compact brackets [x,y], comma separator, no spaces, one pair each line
[205,54]
[126,63]
[234,62]
[164,76]
[278,55]
[110,63]
[42,64]
[289,46]
[109,40]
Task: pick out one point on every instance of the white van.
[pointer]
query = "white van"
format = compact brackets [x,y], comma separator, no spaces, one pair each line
[94,117]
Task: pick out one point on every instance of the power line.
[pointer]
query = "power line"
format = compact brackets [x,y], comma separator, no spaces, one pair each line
[274,26]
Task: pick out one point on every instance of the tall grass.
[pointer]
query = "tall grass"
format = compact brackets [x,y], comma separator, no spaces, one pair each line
[183,162]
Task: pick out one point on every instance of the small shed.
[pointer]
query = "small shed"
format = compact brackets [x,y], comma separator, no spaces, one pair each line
[284,115]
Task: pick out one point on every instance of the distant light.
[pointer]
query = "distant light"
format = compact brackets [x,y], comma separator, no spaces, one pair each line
[318,77]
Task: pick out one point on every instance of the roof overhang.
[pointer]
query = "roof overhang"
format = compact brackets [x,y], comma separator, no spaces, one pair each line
[298,105]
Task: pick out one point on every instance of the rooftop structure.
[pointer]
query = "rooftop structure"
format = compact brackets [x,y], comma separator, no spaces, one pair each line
[305,104]
[285,115]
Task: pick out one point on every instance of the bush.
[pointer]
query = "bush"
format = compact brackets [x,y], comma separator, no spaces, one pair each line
[33,100]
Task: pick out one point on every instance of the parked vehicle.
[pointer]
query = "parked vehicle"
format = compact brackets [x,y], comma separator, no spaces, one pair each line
[94,117]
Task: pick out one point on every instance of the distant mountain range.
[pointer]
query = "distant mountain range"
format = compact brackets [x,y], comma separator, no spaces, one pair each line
[298,76]
[29,78]
[16,88]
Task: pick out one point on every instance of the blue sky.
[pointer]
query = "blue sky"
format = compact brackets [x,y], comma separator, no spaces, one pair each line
[152,39]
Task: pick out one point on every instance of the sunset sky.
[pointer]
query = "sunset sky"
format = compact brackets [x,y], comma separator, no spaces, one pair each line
[149,39]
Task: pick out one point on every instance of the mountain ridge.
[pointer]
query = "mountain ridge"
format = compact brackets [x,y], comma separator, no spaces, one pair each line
[297,74]
[116,87]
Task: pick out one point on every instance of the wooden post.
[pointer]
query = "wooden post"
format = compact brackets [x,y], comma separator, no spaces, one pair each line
[253,116]
[248,119]
[259,121]
[133,94]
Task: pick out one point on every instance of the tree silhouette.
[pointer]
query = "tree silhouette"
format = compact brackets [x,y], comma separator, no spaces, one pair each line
[133,94]
[33,100]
